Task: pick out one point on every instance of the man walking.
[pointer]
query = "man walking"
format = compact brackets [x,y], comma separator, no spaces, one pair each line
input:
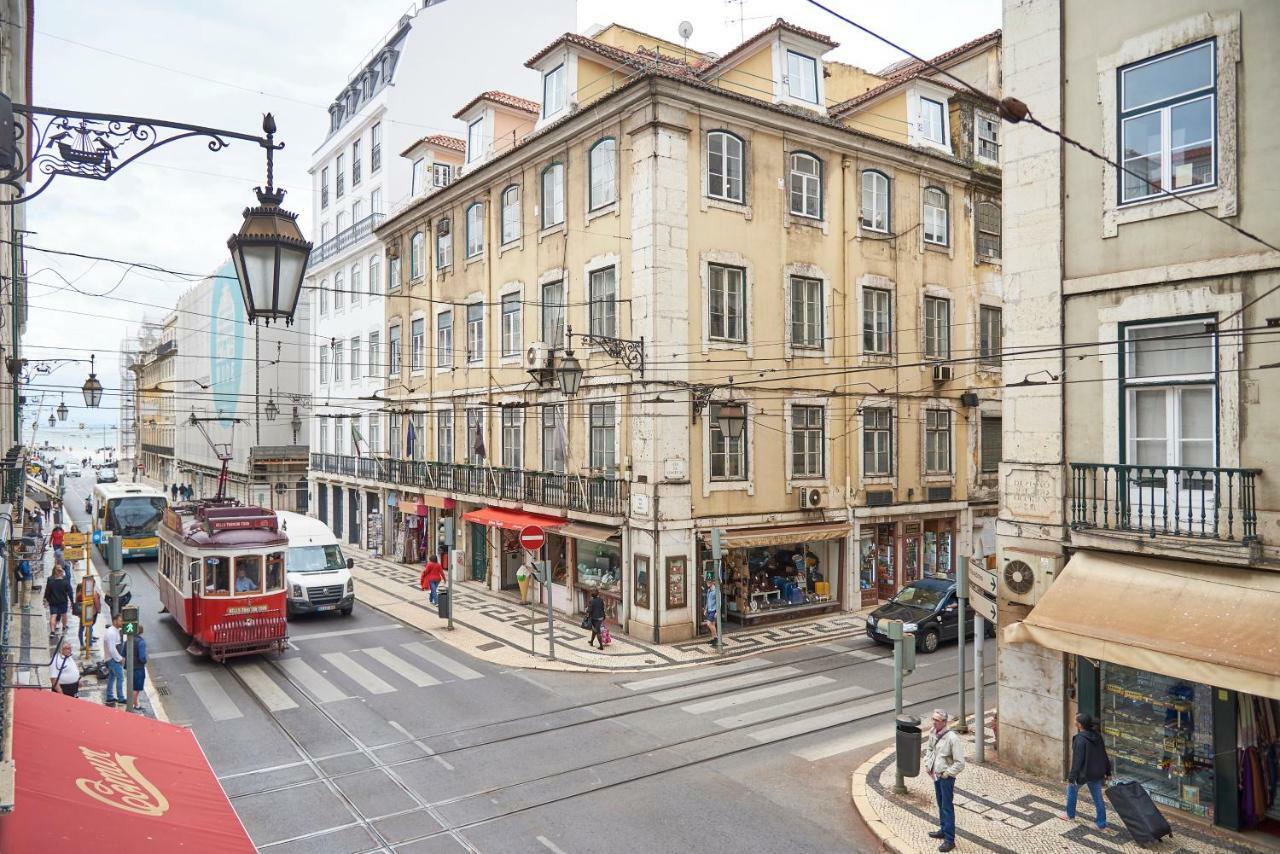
[595,616]
[57,594]
[944,759]
[713,607]
[173,491]
[111,640]
[432,575]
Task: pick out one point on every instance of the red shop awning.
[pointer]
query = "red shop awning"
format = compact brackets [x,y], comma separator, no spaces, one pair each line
[511,519]
[84,772]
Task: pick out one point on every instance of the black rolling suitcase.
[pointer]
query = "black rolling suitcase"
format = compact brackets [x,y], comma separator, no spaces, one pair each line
[1138,812]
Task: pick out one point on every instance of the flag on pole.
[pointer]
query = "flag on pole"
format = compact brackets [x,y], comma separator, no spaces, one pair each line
[478,448]
[356,438]
[410,439]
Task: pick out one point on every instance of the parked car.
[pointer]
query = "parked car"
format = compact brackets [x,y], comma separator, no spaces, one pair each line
[928,608]
[73,470]
[107,475]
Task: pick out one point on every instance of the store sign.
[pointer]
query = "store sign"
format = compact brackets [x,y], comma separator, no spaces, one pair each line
[984,607]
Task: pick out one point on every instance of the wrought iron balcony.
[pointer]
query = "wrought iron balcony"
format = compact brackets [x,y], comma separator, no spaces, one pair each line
[349,236]
[606,496]
[1183,501]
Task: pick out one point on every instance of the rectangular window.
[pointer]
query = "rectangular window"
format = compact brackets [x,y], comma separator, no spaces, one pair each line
[877,321]
[355,359]
[553,195]
[937,328]
[324,437]
[393,350]
[1170,372]
[337,361]
[512,313]
[877,442]
[604,302]
[375,276]
[375,201]
[808,428]
[991,443]
[444,339]
[393,273]
[340,170]
[933,121]
[339,223]
[990,335]
[875,201]
[513,437]
[553,91]
[324,365]
[375,148]
[728,456]
[604,451]
[553,314]
[510,215]
[988,230]
[418,182]
[324,297]
[375,433]
[444,244]
[475,230]
[357,286]
[802,77]
[419,435]
[324,188]
[475,332]
[1168,133]
[395,436]
[355,163]
[987,131]
[937,441]
[476,445]
[603,190]
[417,345]
[475,140]
[415,255]
[726,303]
[444,435]
[806,313]
[375,353]
[441,174]
[339,291]
[555,438]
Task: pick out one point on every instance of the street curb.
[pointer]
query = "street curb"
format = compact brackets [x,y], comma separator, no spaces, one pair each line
[858,794]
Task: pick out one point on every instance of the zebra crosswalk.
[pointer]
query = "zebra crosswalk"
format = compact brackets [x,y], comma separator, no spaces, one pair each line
[294,682]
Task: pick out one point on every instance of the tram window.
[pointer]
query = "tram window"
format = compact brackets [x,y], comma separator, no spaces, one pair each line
[249,574]
[217,576]
[275,572]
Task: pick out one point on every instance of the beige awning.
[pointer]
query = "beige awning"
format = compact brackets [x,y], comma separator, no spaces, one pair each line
[587,531]
[1202,622]
[40,491]
[783,535]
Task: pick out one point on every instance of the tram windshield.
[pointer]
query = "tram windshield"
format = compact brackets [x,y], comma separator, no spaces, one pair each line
[134,515]
[217,576]
[316,558]
[249,574]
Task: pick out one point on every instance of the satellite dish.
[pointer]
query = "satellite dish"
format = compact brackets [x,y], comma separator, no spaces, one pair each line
[686,30]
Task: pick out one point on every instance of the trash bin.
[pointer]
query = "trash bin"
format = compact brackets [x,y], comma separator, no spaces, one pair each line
[442,609]
[908,746]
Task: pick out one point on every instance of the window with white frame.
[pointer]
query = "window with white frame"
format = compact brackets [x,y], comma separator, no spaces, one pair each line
[444,339]
[357,282]
[417,345]
[393,273]
[802,77]
[339,223]
[877,321]
[603,166]
[444,435]
[375,353]
[475,230]
[986,136]
[603,296]
[357,212]
[555,438]
[418,181]
[553,195]
[990,335]
[324,188]
[324,364]
[375,147]
[875,201]
[375,201]
[513,437]
[726,303]
[937,441]
[877,441]
[934,215]
[477,448]
[475,140]
[338,354]
[806,185]
[808,445]
[356,165]
[933,120]
[324,437]
[512,330]
[324,232]
[725,166]
[324,297]
[375,433]
[395,436]
[375,276]
[728,456]
[1170,394]
[553,94]
[340,170]
[355,358]
[339,290]
[393,350]
[416,245]
[937,328]
[987,232]
[511,229]
[444,244]
[419,435]
[807,326]
[604,437]
[991,444]
[441,174]
[339,434]
[475,332]
[1168,137]
[553,314]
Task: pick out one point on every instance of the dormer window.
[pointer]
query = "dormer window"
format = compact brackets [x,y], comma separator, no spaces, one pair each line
[475,140]
[933,121]
[553,97]
[419,175]
[802,77]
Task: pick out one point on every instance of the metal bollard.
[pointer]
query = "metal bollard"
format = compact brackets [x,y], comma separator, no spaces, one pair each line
[908,745]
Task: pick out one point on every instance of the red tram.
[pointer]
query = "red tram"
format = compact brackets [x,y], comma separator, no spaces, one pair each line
[222,576]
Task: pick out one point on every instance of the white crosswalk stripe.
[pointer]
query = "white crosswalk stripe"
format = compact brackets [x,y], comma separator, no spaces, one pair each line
[694,675]
[715,686]
[792,707]
[444,662]
[261,685]
[215,699]
[746,697]
[311,681]
[359,673]
[401,667]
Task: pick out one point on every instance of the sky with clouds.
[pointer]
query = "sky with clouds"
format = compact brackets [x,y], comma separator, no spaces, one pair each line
[224,64]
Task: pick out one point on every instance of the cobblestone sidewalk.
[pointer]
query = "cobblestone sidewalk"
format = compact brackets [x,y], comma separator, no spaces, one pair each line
[497,628]
[999,812]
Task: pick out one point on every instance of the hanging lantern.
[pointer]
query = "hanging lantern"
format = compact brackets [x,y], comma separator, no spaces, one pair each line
[62,411]
[732,419]
[271,410]
[92,389]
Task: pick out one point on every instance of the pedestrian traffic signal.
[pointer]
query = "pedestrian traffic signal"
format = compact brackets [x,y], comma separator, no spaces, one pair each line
[129,613]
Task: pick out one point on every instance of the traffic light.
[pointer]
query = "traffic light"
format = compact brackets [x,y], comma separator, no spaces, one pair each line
[130,615]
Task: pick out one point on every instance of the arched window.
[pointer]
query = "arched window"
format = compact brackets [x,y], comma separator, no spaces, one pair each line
[444,244]
[603,166]
[934,215]
[553,195]
[511,214]
[806,185]
[475,229]
[725,166]
[988,230]
[875,201]
[415,255]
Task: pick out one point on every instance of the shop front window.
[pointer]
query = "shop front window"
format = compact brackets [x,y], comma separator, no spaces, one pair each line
[762,580]
[877,576]
[939,547]
[599,567]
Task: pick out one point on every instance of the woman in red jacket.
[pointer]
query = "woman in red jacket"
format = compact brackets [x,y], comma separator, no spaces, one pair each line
[432,575]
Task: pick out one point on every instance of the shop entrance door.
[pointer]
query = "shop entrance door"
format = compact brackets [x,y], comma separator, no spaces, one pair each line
[353,517]
[337,512]
[939,547]
[886,560]
[323,492]
[479,552]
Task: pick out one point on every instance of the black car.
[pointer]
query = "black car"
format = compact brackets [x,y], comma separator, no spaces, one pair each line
[928,608]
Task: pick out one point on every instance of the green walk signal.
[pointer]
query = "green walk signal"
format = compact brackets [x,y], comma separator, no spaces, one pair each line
[129,613]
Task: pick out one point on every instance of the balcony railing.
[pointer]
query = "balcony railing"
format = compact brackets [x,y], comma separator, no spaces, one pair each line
[1184,501]
[606,496]
[349,236]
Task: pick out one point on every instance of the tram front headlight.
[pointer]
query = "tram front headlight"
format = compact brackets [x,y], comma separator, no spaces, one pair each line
[297,592]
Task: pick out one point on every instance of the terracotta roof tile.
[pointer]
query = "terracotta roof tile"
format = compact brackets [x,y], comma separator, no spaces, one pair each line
[779,24]
[445,141]
[641,60]
[910,70]
[506,99]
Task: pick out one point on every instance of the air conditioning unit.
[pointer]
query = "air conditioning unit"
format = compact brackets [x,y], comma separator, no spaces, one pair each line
[537,357]
[1025,575]
[811,498]
[941,373]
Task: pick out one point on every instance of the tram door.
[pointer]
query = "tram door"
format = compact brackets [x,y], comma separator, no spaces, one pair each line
[195,572]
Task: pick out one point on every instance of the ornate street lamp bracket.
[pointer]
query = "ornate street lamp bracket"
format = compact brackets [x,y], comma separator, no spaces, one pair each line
[630,353]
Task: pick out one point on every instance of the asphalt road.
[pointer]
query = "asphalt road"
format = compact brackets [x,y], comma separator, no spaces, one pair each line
[368,735]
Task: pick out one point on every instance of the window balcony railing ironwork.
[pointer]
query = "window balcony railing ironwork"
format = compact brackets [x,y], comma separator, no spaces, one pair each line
[607,496]
[349,236]
[1209,503]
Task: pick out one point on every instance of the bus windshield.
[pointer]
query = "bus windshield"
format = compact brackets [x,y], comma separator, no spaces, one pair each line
[315,558]
[134,515]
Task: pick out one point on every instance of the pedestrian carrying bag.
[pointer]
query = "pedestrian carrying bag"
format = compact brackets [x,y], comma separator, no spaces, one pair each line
[586,622]
[1138,812]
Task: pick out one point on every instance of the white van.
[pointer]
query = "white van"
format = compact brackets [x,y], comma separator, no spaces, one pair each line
[317,577]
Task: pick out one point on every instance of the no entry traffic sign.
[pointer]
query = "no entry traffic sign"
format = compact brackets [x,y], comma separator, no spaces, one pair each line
[532,537]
